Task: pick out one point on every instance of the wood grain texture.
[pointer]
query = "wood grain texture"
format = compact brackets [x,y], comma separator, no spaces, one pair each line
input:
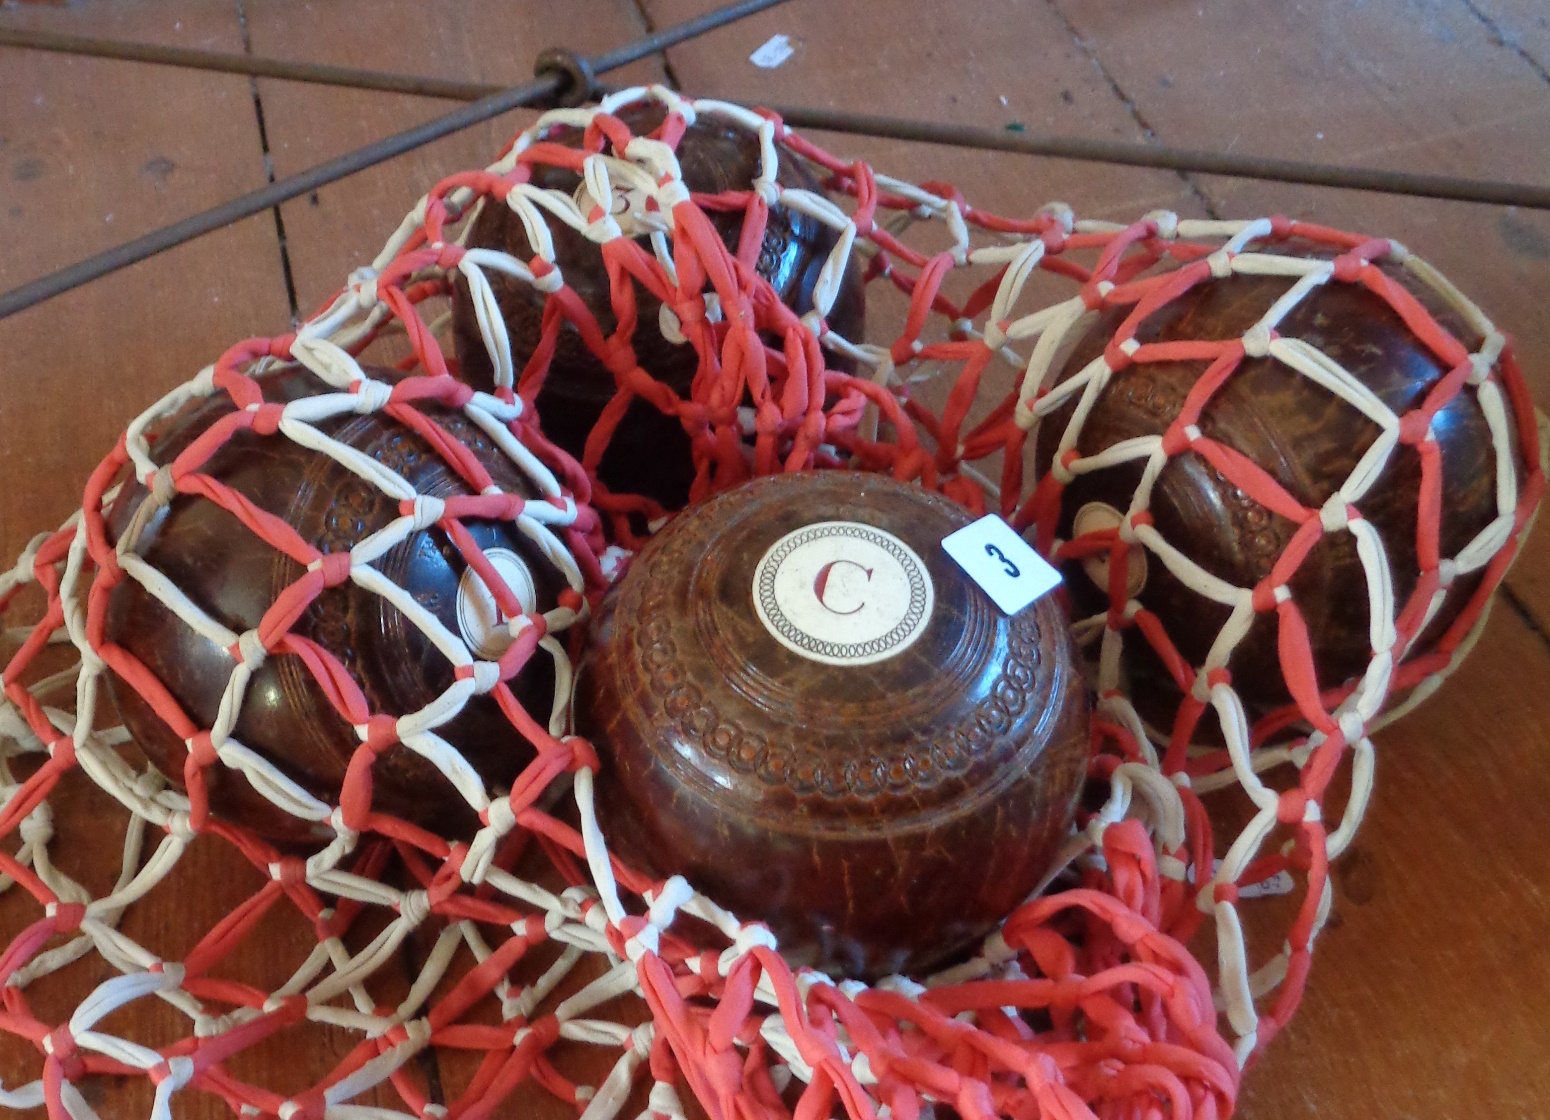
[1006,63]
[93,153]
[343,226]
[1517,27]
[1431,986]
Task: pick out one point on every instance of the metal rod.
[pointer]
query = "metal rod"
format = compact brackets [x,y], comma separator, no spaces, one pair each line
[1529,196]
[265,198]
[250,65]
[282,190]
[1526,195]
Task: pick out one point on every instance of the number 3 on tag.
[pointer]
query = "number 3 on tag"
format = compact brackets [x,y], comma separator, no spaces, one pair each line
[1001,562]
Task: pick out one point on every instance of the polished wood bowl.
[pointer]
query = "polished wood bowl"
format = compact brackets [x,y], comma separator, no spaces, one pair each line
[1308,440]
[234,576]
[806,708]
[650,451]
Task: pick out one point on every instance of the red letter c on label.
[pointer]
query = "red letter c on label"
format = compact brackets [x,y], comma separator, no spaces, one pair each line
[821,584]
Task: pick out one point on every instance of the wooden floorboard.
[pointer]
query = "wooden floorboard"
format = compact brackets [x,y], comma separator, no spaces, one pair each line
[340,227]
[1430,990]
[93,153]
[1011,65]
[1519,26]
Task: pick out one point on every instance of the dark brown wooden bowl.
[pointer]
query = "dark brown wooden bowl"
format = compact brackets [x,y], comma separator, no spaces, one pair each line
[235,577]
[1309,441]
[881,808]
[650,451]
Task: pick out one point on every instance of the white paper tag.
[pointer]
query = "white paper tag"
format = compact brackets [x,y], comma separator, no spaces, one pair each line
[1002,563]
[479,618]
[775,51]
[629,208]
[1278,884]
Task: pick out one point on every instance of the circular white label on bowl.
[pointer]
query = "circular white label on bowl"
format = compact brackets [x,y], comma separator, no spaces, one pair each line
[1100,517]
[843,593]
[479,617]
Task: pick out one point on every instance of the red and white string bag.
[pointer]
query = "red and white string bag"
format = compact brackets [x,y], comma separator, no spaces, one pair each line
[543,951]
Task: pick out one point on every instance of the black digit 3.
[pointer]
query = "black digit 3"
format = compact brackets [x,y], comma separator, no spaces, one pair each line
[996,554]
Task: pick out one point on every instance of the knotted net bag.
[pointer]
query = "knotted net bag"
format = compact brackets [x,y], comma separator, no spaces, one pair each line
[546,972]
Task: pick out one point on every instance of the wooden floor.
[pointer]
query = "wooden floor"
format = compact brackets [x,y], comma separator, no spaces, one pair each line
[1430,995]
